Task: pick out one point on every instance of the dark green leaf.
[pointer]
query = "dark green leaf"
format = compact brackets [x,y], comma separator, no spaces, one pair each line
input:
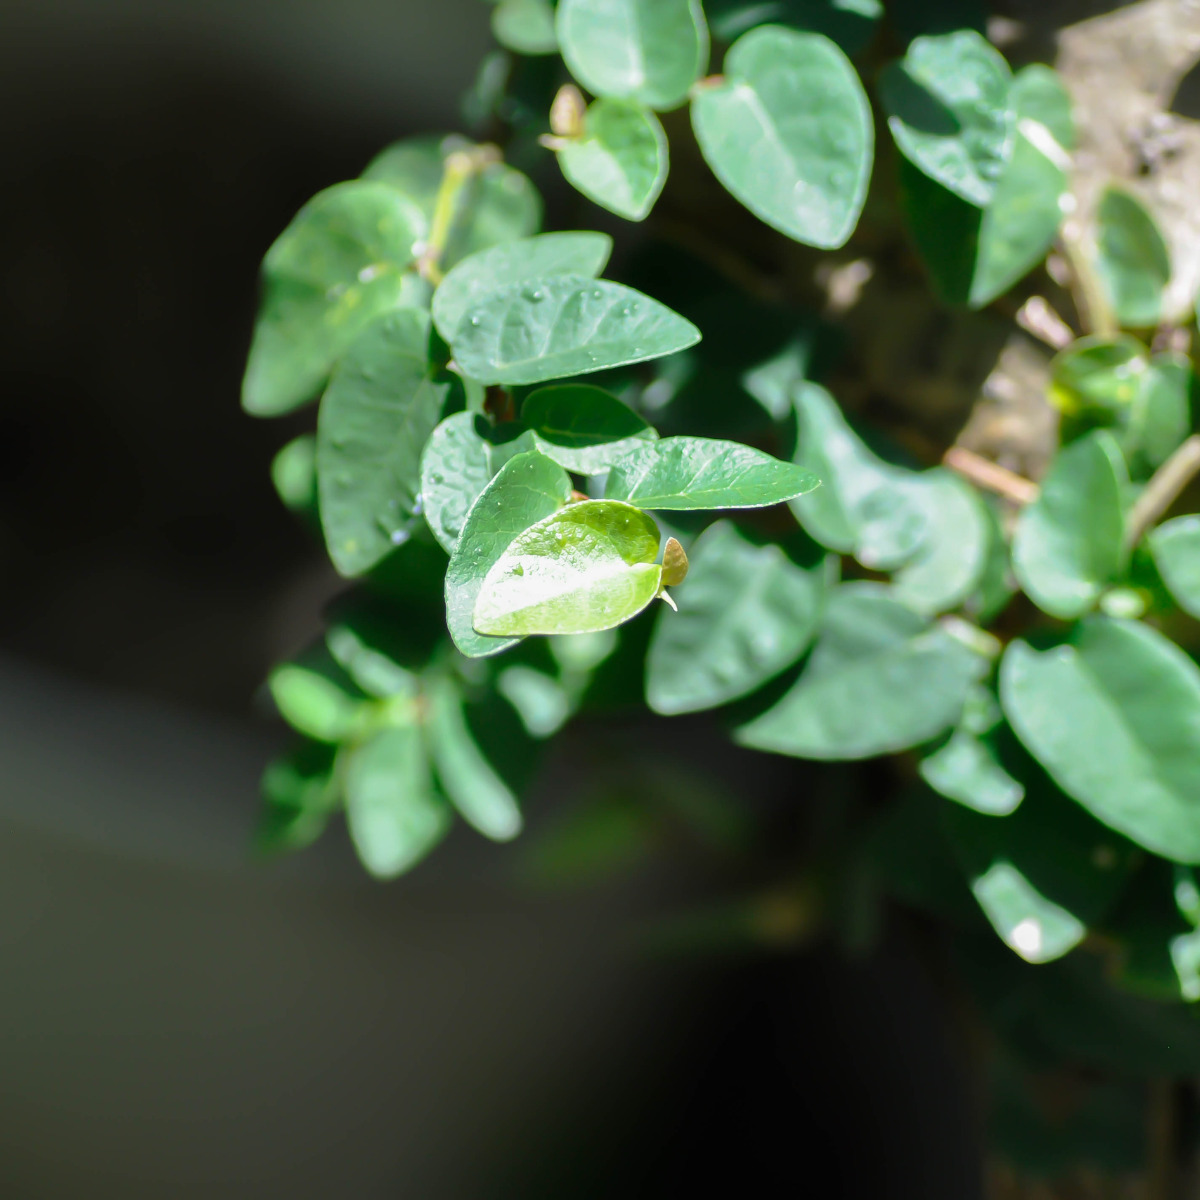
[526,26]
[1161,414]
[849,23]
[515,262]
[589,566]
[948,109]
[620,162]
[688,473]
[1176,547]
[788,131]
[481,797]
[455,467]
[747,612]
[1068,543]
[527,489]
[393,814]
[1112,714]
[339,264]
[855,697]
[1132,260]
[565,325]
[299,795]
[375,418]
[648,51]
[581,427]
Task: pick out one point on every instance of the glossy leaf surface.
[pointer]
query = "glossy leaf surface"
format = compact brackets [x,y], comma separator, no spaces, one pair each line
[581,427]
[455,468]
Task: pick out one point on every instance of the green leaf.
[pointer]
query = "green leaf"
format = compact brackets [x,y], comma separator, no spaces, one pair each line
[583,428]
[687,473]
[541,702]
[621,160]
[747,612]
[1098,376]
[1176,548]
[1161,414]
[1036,928]
[1068,543]
[565,325]
[392,812]
[299,795]
[948,109]
[294,474]
[525,26]
[515,262]
[1038,94]
[1112,714]
[338,265]
[648,51]
[587,567]
[855,697]
[375,672]
[864,506]
[951,559]
[996,585]
[849,23]
[967,769]
[788,131]
[1132,260]
[375,418]
[496,203]
[315,703]
[481,797]
[525,490]
[455,468]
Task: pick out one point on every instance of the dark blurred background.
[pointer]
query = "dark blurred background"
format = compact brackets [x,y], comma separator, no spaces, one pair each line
[176,1018]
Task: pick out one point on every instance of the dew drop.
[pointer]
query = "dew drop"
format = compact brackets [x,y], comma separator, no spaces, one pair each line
[475,320]
[596,293]
[438,477]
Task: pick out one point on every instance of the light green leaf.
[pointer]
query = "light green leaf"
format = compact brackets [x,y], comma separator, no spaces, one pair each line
[314,703]
[375,672]
[541,702]
[375,418]
[336,267]
[455,468]
[528,488]
[481,797]
[621,160]
[855,697]
[392,812]
[525,26]
[515,262]
[648,51]
[1132,260]
[1176,548]
[850,23]
[864,506]
[747,612]
[294,474]
[496,204]
[1068,543]
[1036,928]
[1113,714]
[1038,94]
[1161,414]
[587,567]
[951,559]
[1098,375]
[948,109]
[967,770]
[581,427]
[687,473]
[788,131]
[565,325]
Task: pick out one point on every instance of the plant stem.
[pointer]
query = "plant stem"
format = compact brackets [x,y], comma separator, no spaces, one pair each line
[457,169]
[991,476]
[1163,490]
[1095,313]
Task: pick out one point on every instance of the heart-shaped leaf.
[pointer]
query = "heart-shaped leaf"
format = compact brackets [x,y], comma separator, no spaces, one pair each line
[948,109]
[564,325]
[589,566]
[481,797]
[392,812]
[648,51]
[336,267]
[1113,714]
[854,698]
[376,415]
[1068,543]
[788,131]
[581,427]
[1132,260]
[1176,548]
[495,204]
[686,473]
[747,613]
[528,488]
[515,262]
[620,161]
